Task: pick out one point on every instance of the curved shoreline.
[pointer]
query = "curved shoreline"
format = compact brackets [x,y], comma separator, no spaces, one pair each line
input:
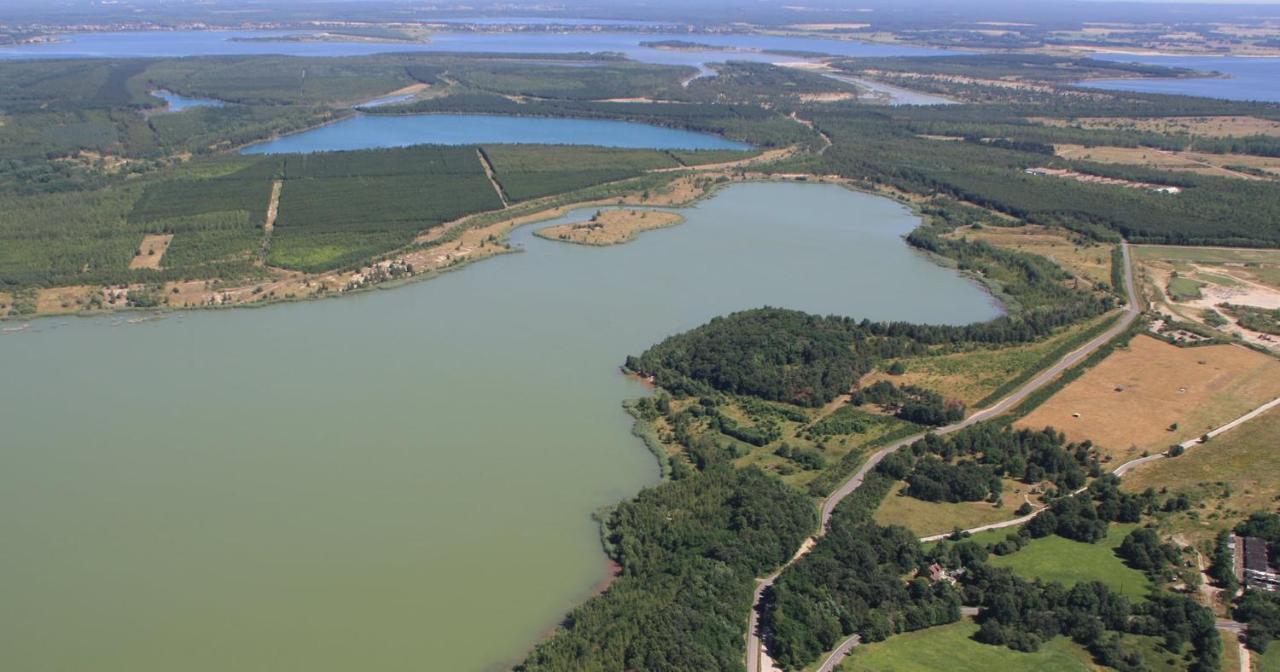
[539,211]
[756,651]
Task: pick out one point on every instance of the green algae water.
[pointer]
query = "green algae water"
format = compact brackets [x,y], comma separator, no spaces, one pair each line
[399,480]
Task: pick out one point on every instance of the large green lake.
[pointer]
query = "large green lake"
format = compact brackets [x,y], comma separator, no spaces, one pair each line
[400,480]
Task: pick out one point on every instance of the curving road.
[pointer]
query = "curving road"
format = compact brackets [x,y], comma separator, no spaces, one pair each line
[757,656]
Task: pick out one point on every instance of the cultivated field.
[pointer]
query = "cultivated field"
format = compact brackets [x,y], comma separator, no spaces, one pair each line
[1233,474]
[1152,394]
[1069,562]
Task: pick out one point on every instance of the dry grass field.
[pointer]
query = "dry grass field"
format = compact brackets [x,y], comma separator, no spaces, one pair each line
[1084,259]
[1232,475]
[151,250]
[1221,165]
[972,376]
[1129,403]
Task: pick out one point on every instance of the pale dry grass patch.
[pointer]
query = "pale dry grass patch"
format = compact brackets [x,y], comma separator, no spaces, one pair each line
[151,251]
[1150,395]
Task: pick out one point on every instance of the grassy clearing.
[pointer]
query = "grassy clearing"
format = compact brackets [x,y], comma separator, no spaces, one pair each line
[1221,165]
[951,647]
[834,442]
[973,376]
[928,518]
[1184,289]
[1152,394]
[1268,662]
[1230,651]
[1069,562]
[1208,255]
[151,250]
[1157,658]
[1081,257]
[1228,477]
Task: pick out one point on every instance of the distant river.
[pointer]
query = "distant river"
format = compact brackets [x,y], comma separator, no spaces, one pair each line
[1248,78]
[208,43]
[398,480]
[365,131]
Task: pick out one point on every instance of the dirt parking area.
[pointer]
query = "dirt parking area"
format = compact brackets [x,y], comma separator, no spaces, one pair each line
[1151,395]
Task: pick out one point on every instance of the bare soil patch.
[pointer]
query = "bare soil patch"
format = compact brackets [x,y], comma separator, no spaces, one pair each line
[611,227]
[1152,394]
[1247,277]
[269,224]
[1098,179]
[151,251]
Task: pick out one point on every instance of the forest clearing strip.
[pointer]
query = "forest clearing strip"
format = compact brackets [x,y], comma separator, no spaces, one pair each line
[269,224]
[488,172]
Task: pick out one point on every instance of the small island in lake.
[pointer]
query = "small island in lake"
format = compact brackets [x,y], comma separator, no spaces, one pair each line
[611,227]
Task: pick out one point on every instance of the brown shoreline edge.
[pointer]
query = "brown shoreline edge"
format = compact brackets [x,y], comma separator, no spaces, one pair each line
[476,236]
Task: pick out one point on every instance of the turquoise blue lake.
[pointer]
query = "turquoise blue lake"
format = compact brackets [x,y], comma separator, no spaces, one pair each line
[366,131]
